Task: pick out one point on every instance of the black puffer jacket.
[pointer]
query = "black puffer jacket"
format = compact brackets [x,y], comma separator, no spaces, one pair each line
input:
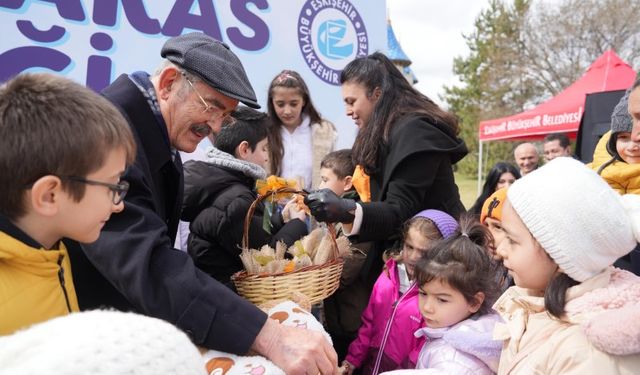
[216,202]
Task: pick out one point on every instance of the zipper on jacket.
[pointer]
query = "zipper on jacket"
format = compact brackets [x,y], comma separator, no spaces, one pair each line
[61,279]
[385,337]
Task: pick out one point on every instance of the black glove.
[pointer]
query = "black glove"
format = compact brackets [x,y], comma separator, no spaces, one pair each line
[326,206]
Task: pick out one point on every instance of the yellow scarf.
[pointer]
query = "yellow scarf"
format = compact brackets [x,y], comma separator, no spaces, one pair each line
[360,182]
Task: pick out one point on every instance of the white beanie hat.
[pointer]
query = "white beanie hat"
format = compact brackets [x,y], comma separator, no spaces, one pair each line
[577,218]
[100,342]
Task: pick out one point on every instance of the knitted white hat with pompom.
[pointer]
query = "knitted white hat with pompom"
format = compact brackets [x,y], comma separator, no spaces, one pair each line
[577,218]
[100,342]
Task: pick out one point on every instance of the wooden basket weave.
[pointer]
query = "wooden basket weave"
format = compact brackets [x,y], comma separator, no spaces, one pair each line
[316,282]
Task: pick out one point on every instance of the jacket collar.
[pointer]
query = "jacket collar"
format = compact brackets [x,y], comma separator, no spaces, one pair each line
[606,306]
[9,228]
[134,106]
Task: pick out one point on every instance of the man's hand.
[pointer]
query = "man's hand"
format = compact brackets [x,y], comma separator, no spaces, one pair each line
[326,206]
[296,350]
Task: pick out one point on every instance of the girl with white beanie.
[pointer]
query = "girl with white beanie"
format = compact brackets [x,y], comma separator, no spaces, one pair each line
[570,311]
[100,343]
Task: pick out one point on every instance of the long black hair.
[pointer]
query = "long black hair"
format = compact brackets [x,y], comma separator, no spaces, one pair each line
[492,182]
[398,98]
[555,296]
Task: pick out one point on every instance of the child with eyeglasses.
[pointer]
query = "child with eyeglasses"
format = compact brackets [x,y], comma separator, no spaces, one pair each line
[63,149]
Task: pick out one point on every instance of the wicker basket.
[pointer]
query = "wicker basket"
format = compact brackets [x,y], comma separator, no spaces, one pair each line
[316,282]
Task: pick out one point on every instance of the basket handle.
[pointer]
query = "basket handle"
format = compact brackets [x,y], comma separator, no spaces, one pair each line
[260,198]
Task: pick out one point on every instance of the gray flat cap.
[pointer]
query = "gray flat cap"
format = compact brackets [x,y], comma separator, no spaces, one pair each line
[213,62]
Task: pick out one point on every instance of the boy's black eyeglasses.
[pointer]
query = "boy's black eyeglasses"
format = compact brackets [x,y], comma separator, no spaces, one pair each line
[118,191]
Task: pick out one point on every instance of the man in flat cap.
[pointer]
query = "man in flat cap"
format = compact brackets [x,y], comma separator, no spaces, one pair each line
[195,89]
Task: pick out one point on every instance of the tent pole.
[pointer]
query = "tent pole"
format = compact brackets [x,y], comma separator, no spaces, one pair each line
[480,168]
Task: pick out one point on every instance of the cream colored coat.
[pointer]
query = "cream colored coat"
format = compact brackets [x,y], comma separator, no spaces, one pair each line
[600,334]
[323,140]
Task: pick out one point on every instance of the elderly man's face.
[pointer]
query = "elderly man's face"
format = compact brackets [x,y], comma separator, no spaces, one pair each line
[191,111]
[553,149]
[526,157]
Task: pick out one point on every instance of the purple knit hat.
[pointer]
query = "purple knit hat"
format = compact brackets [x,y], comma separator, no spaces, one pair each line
[446,224]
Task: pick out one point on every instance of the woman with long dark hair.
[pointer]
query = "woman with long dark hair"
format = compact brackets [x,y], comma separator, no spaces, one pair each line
[502,174]
[405,149]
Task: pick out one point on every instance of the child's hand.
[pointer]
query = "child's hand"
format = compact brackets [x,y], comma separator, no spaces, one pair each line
[346,368]
[292,211]
[296,213]
[286,216]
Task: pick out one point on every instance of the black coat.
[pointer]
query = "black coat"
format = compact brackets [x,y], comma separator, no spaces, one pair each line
[138,267]
[216,202]
[415,174]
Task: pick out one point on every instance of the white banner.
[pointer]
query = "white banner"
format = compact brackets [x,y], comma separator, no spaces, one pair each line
[93,42]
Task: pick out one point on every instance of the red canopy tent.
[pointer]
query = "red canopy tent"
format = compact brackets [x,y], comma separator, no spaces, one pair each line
[562,113]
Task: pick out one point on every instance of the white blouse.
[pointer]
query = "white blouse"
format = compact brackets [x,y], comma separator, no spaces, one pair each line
[297,162]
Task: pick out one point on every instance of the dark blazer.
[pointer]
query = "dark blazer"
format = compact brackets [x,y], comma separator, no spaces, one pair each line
[216,202]
[135,250]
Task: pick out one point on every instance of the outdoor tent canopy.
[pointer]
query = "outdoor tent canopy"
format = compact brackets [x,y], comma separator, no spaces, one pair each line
[562,113]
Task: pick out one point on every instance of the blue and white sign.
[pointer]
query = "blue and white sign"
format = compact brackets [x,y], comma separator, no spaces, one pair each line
[339,34]
[94,41]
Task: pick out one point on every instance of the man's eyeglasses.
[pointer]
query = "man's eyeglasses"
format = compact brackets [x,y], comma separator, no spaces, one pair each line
[118,191]
[216,113]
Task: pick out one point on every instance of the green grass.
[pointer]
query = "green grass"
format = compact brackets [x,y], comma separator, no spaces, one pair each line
[468,187]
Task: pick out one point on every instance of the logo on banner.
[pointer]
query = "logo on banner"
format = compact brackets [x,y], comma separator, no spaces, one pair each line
[330,34]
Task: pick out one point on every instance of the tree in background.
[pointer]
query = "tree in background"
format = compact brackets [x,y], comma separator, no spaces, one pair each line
[523,53]
[560,42]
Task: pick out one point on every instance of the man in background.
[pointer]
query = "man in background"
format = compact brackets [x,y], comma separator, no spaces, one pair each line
[526,156]
[556,144]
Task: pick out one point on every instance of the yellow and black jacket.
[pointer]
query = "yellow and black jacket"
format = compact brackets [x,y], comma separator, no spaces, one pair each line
[35,284]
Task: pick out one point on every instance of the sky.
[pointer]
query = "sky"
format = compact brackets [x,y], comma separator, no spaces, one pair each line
[430,33]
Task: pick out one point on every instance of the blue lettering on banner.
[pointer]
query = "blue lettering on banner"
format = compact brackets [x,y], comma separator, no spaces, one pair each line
[330,34]
[45,55]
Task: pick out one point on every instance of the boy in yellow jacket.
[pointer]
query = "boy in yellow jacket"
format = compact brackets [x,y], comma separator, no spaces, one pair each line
[63,149]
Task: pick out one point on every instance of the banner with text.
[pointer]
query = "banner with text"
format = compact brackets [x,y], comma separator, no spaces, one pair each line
[93,42]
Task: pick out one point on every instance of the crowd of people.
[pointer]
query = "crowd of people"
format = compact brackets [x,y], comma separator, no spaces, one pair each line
[104,216]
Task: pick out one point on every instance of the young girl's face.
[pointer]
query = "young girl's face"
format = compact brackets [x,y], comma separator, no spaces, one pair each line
[288,103]
[522,255]
[506,179]
[495,227]
[415,244]
[441,305]
[628,146]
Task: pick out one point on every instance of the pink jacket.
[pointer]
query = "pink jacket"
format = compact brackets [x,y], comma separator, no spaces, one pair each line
[385,340]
